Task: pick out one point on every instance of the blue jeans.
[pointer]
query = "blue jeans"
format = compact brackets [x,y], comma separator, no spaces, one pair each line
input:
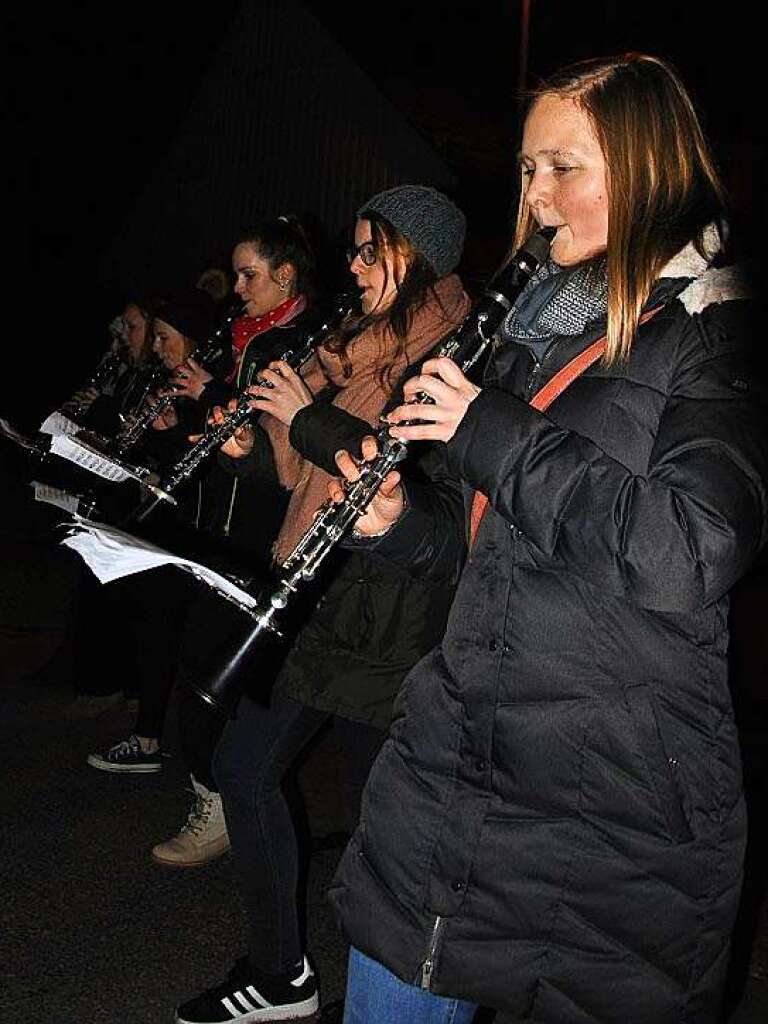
[375,996]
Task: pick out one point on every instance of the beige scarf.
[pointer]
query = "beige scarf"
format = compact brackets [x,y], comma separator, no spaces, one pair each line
[362,394]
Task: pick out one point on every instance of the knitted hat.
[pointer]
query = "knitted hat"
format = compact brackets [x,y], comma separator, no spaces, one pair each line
[428,219]
[192,312]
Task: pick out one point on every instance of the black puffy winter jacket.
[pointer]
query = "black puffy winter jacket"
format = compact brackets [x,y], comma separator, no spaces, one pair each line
[555,826]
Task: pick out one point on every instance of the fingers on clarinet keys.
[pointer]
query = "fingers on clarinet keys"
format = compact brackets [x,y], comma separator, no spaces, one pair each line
[369,449]
[263,381]
[349,466]
[416,421]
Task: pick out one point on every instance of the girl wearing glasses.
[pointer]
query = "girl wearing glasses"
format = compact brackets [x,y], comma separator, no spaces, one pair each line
[373,622]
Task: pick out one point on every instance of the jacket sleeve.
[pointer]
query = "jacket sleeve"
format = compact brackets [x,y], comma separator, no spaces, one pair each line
[320,429]
[216,392]
[676,537]
[165,447]
[260,459]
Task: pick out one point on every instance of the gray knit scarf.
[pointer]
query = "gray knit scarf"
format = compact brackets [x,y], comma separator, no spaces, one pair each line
[557,300]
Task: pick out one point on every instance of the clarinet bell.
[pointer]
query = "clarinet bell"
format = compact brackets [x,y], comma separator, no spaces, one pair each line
[243,665]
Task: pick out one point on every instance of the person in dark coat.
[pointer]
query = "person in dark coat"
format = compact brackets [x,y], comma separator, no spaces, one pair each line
[555,825]
[232,520]
[237,518]
[181,322]
[373,621]
[123,377]
[273,263]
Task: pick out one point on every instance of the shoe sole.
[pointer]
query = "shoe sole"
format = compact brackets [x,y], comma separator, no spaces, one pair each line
[308,1012]
[105,766]
[188,864]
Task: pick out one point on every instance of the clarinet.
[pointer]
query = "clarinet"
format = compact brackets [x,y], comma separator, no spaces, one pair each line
[204,354]
[296,357]
[103,375]
[147,377]
[334,520]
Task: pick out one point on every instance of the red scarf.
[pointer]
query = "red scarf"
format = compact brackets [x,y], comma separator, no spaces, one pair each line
[246,328]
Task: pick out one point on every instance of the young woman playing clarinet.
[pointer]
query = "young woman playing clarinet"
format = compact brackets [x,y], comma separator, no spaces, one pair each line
[373,622]
[555,826]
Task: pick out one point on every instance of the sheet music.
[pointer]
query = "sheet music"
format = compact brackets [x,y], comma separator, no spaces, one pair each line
[83,455]
[58,423]
[111,554]
[55,496]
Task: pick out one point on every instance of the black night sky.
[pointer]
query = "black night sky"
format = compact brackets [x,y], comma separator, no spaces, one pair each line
[97,90]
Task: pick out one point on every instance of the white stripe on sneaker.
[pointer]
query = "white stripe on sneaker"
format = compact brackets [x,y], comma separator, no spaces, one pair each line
[243,1001]
[234,1012]
[306,973]
[257,996]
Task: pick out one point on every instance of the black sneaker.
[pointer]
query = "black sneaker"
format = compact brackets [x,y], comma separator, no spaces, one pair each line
[127,756]
[248,996]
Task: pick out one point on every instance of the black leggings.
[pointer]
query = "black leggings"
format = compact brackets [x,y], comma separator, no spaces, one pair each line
[127,637]
[256,750]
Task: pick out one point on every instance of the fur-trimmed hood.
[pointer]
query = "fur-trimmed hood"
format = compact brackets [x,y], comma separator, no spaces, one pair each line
[701,281]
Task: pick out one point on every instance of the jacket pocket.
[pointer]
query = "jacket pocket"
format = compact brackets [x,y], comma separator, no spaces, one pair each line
[663,770]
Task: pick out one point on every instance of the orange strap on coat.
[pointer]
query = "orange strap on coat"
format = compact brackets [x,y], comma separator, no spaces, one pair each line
[551,390]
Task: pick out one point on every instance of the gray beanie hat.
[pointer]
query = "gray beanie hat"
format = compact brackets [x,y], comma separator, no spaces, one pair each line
[428,219]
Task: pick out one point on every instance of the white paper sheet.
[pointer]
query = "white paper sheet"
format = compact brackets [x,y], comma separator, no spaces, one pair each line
[55,496]
[83,455]
[57,423]
[111,554]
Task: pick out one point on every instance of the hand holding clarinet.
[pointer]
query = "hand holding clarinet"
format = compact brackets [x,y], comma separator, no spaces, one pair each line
[450,394]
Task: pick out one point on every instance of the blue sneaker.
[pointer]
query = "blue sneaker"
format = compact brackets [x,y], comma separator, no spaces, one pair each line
[127,756]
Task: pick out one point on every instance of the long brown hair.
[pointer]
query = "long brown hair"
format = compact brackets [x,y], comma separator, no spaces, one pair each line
[663,187]
[413,288]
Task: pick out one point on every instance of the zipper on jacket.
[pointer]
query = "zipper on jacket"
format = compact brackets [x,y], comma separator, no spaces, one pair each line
[425,973]
[533,376]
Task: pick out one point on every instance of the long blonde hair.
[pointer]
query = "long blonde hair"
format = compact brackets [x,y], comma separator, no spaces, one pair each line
[663,187]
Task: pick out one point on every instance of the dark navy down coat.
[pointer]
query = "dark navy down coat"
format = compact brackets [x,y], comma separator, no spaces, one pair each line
[555,826]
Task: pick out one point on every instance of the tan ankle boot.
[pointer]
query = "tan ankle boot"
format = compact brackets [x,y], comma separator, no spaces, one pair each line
[203,836]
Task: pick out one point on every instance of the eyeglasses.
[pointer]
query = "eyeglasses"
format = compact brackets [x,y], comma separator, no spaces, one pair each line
[366,251]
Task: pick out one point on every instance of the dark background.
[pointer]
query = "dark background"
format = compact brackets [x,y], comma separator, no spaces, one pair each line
[95,97]
[97,92]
